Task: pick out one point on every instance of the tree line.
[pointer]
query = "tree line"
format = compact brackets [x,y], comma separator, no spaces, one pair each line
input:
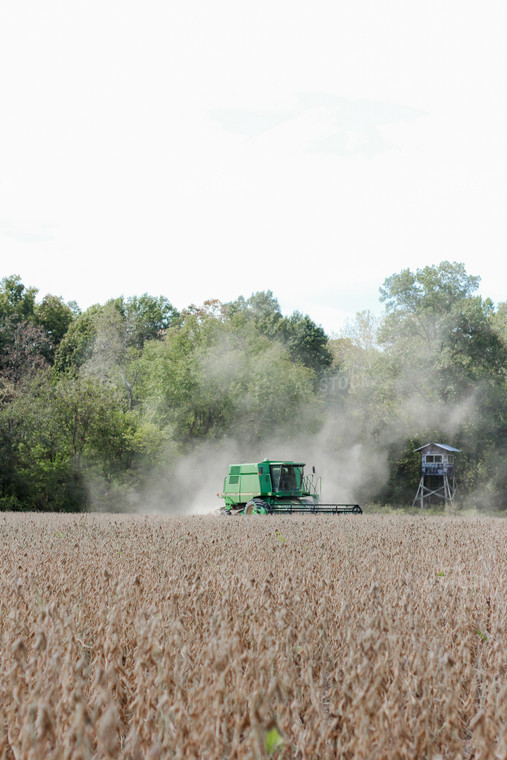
[98,408]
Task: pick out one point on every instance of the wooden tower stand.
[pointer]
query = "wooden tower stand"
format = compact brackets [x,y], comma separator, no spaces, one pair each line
[437,474]
[445,490]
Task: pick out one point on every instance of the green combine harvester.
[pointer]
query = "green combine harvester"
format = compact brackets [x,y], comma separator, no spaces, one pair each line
[274,487]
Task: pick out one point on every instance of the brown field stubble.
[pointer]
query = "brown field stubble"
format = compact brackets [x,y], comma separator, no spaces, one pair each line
[190,637]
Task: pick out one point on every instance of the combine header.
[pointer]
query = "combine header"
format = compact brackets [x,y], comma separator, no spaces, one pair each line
[273,487]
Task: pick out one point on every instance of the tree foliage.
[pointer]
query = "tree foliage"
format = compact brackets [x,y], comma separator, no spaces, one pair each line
[96,407]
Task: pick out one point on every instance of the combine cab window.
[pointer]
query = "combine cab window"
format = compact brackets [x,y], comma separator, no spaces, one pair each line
[286,477]
[275,476]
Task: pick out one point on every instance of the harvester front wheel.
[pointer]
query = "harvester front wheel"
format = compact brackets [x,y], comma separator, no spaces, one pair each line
[256,507]
[251,508]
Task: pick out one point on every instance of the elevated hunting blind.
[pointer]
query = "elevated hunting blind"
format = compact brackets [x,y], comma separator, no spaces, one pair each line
[437,473]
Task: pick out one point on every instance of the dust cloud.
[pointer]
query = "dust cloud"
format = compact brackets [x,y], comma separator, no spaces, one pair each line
[350,439]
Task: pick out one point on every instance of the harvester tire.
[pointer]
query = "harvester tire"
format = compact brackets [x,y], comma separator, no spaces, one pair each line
[261,504]
[251,508]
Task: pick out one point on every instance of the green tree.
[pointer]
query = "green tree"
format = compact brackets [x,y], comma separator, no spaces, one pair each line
[429,291]
[36,472]
[210,378]
[106,341]
[147,318]
[500,321]
[261,308]
[55,317]
[59,440]
[448,365]
[305,341]
[439,334]
[76,346]
[16,300]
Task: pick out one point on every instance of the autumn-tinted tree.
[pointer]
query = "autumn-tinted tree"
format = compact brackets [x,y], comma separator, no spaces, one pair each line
[17,304]
[26,354]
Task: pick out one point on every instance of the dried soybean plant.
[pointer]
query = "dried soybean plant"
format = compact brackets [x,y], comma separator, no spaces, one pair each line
[296,637]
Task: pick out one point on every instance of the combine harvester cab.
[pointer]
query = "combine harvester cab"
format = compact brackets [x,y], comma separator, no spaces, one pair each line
[272,487]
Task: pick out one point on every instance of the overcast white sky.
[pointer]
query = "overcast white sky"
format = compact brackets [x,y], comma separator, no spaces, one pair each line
[202,150]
